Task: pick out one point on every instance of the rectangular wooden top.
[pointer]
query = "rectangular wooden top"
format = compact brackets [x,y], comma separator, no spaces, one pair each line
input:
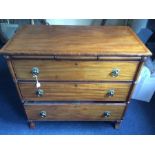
[75,40]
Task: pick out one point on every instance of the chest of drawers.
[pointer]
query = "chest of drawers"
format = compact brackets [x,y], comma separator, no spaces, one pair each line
[75,73]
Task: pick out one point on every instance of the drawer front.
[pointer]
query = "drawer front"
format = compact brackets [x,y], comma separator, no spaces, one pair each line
[76,70]
[73,112]
[75,91]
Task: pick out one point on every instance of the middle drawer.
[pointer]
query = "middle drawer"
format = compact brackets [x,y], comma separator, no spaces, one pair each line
[74,91]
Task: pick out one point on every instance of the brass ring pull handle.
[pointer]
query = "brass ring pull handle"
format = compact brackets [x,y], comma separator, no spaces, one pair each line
[107,114]
[35,71]
[110,92]
[39,92]
[43,114]
[115,72]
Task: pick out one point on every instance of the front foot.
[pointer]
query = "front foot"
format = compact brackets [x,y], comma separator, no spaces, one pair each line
[31,125]
[117,124]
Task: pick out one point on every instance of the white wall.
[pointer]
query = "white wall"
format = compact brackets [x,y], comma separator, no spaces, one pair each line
[74,21]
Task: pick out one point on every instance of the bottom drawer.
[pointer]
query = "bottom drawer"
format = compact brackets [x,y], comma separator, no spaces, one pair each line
[74,112]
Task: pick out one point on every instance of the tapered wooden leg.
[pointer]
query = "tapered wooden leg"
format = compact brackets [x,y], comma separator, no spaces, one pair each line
[117,124]
[31,124]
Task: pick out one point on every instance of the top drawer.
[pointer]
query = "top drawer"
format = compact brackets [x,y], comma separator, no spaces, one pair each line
[73,70]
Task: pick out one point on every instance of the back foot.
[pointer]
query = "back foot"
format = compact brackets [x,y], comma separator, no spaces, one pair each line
[117,124]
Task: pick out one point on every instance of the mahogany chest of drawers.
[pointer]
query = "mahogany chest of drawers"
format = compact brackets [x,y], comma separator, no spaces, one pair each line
[75,73]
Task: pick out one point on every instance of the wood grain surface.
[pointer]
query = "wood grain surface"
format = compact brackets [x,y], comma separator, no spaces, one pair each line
[75,40]
[54,91]
[73,112]
[75,65]
[63,70]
